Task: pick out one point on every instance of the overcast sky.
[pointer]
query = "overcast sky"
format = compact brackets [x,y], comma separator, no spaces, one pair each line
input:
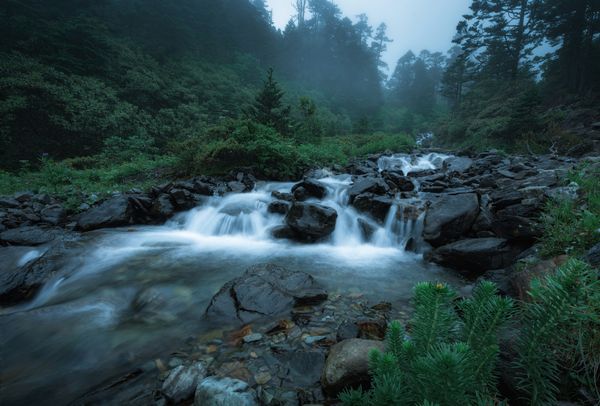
[412,24]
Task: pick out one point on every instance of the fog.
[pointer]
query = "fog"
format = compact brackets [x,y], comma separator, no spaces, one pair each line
[412,24]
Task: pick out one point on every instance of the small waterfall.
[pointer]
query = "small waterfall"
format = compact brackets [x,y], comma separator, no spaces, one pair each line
[409,163]
[403,226]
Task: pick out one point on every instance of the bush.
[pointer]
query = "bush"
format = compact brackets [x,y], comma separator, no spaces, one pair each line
[450,356]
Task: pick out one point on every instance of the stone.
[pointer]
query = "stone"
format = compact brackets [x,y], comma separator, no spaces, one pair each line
[302,367]
[457,164]
[474,256]
[236,186]
[288,197]
[516,228]
[262,378]
[215,391]
[311,222]
[182,381]
[252,338]
[310,340]
[347,365]
[53,214]
[311,188]
[264,290]
[367,184]
[399,181]
[279,207]
[284,232]
[162,207]
[450,217]
[29,235]
[367,227]
[114,212]
[183,199]
[377,206]
[9,203]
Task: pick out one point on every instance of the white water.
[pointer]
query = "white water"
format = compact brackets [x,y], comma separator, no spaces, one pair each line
[88,323]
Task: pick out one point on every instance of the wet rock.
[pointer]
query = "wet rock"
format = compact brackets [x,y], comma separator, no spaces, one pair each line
[311,222]
[457,164]
[114,212]
[236,186]
[450,217]
[399,181]
[29,235]
[377,206]
[593,256]
[284,232]
[347,365]
[53,214]
[288,197]
[311,188]
[516,228]
[182,381]
[474,256]
[372,329]
[162,207]
[9,203]
[252,338]
[183,199]
[367,228]
[214,391]
[263,290]
[367,184]
[301,367]
[279,207]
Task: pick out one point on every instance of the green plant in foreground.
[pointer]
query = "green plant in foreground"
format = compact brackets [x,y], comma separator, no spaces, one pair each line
[450,356]
[561,333]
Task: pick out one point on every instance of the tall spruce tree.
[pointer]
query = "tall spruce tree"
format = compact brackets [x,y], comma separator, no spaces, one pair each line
[268,107]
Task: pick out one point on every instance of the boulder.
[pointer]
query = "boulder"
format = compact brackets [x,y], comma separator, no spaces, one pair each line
[474,256]
[279,207]
[183,199]
[288,197]
[53,214]
[302,368]
[311,222]
[9,203]
[29,235]
[284,232]
[457,164]
[347,365]
[398,181]
[264,290]
[114,212]
[215,391]
[368,184]
[312,188]
[516,228]
[182,381]
[377,206]
[162,207]
[450,217]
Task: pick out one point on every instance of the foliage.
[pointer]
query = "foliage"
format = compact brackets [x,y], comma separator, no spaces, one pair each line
[573,225]
[268,108]
[560,333]
[450,356]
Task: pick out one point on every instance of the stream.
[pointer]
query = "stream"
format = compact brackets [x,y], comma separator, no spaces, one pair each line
[128,295]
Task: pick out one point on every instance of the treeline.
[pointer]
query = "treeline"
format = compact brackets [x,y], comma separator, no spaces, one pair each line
[75,74]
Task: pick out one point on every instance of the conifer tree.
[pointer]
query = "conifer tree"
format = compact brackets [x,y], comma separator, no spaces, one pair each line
[268,108]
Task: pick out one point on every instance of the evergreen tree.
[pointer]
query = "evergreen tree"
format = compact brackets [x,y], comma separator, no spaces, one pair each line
[268,108]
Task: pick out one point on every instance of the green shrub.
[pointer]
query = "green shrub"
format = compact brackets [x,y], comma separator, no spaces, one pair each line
[560,336]
[450,356]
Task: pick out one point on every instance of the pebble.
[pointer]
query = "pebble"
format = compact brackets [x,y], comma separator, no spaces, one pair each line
[251,338]
[262,377]
[310,340]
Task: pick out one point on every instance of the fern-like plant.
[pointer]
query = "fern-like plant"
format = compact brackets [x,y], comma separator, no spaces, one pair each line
[448,359]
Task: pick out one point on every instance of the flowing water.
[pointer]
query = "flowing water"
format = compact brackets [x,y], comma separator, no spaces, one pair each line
[127,295]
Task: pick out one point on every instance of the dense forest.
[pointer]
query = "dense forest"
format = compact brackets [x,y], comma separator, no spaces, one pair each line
[153,76]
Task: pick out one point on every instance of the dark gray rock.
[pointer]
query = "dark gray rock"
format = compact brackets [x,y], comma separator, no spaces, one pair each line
[368,228]
[162,207]
[279,207]
[284,232]
[264,290]
[215,391]
[312,188]
[457,164]
[311,222]
[182,381]
[302,368]
[9,203]
[474,256]
[114,212]
[450,217]
[29,235]
[506,197]
[183,199]
[368,184]
[516,228]
[53,214]
[398,181]
[347,365]
[377,206]
[288,197]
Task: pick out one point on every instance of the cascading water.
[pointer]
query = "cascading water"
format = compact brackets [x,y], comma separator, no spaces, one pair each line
[125,293]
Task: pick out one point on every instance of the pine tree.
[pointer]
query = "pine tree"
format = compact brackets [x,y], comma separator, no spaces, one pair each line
[268,108]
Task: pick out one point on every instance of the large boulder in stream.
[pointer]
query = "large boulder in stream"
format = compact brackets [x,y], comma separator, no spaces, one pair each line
[309,188]
[367,184]
[474,256]
[117,211]
[449,217]
[377,206]
[264,290]
[311,222]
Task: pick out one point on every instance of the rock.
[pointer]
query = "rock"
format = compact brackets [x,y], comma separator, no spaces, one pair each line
[214,391]
[311,188]
[367,184]
[279,207]
[114,212]
[516,228]
[162,207]
[252,338]
[373,329]
[53,214]
[9,203]
[593,256]
[399,181]
[302,367]
[236,186]
[377,206]
[264,290]
[183,199]
[505,197]
[457,164]
[474,256]
[450,217]
[288,197]
[182,381]
[521,274]
[284,232]
[347,365]
[311,222]
[368,228]
[29,235]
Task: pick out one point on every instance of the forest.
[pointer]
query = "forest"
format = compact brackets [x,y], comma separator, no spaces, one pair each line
[426,233]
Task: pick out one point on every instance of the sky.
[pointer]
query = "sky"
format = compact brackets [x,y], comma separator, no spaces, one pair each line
[412,24]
